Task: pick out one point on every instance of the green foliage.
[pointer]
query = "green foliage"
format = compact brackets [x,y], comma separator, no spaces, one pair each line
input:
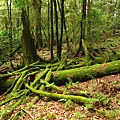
[3,34]
[21,3]
[118,101]
[110,113]
[51,116]
[98,20]
[115,82]
[4,44]
[80,116]
[102,98]
[69,84]
[68,103]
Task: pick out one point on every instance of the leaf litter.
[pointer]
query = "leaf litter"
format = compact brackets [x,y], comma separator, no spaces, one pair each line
[105,89]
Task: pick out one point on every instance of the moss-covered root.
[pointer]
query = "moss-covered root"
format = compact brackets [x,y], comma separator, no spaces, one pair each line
[49,85]
[13,97]
[6,115]
[19,81]
[17,72]
[24,111]
[85,50]
[79,99]
[48,76]
[39,77]
[42,87]
[46,83]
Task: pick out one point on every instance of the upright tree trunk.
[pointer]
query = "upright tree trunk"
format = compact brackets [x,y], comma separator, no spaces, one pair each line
[48,41]
[65,27]
[82,26]
[56,21]
[61,33]
[38,24]
[10,23]
[27,42]
[52,31]
[89,21]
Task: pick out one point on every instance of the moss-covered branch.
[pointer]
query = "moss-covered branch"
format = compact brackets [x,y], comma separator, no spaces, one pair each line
[39,77]
[79,99]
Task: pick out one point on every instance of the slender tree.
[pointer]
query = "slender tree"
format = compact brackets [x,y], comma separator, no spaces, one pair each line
[65,26]
[89,6]
[56,21]
[61,31]
[48,40]
[82,26]
[38,23]
[52,31]
[9,6]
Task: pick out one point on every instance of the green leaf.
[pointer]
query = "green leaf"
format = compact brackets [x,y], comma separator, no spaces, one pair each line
[115,82]
[88,106]
[51,116]
[68,103]
[118,101]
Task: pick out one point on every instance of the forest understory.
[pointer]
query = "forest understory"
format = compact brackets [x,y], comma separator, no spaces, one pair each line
[60,60]
[43,99]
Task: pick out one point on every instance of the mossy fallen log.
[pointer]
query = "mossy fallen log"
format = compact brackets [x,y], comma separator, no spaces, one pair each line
[86,73]
[6,114]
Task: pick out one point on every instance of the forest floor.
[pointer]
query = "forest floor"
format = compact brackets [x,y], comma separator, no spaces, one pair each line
[108,108]
[106,89]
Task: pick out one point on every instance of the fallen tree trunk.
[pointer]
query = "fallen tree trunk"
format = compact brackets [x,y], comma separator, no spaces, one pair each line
[85,73]
[77,74]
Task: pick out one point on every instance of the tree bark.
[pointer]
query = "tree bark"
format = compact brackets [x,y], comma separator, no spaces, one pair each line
[61,31]
[52,30]
[27,42]
[86,73]
[56,22]
[38,23]
[82,27]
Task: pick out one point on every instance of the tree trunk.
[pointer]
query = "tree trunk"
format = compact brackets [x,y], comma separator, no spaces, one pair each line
[52,30]
[89,20]
[61,32]
[38,25]
[48,41]
[86,73]
[9,7]
[82,26]
[27,42]
[56,22]
[61,77]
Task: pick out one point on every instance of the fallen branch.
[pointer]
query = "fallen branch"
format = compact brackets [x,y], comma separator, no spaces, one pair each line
[79,99]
